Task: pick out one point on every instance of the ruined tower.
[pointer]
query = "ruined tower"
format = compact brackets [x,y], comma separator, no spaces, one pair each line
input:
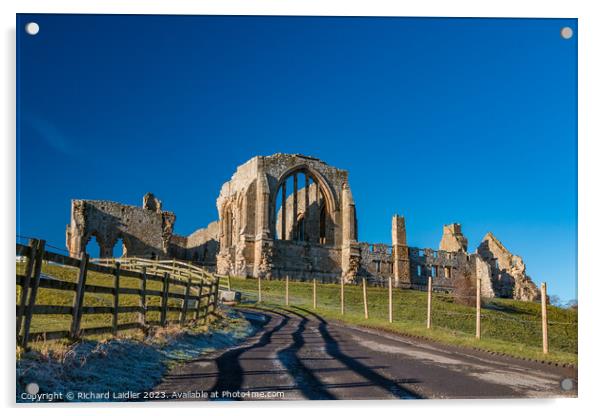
[453,240]
[401,257]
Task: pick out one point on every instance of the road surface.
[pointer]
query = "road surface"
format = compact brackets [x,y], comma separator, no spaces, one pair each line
[292,357]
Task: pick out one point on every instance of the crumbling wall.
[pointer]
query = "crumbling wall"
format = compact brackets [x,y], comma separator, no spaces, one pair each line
[442,266]
[508,271]
[144,232]
[453,240]
[376,262]
[200,247]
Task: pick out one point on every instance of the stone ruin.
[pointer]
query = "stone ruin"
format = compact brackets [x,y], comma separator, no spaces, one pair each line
[294,215]
[145,231]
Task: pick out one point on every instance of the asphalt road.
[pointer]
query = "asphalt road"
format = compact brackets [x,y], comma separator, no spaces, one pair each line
[294,358]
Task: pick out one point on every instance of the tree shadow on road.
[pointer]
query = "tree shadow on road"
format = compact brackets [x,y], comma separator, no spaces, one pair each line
[230,372]
[305,379]
[333,349]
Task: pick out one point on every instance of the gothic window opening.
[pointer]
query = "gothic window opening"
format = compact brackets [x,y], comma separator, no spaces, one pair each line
[300,210]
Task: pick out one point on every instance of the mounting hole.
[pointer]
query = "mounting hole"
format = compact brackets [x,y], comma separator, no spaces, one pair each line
[32,28]
[567,384]
[32,388]
[566,32]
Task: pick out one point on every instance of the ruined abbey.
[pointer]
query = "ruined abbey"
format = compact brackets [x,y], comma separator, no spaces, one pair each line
[294,215]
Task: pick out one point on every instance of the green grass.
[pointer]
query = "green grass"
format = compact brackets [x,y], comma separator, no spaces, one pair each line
[507,326]
[48,323]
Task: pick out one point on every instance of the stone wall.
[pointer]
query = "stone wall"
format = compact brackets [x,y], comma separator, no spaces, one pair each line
[508,271]
[376,262]
[144,232]
[200,247]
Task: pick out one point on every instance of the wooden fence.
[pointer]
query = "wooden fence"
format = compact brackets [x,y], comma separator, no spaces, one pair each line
[429,304]
[193,307]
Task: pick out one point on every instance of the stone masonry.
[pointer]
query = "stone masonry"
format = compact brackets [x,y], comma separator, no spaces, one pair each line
[294,215]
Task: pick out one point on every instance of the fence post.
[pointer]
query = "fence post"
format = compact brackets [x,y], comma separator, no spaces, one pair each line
[78,300]
[164,298]
[286,291]
[365,298]
[229,283]
[342,296]
[116,299]
[143,298]
[33,247]
[215,294]
[198,304]
[206,307]
[544,317]
[259,289]
[429,302]
[315,295]
[390,300]
[478,324]
[185,306]
[34,291]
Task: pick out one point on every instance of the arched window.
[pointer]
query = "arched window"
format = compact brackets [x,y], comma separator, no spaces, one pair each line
[93,247]
[300,210]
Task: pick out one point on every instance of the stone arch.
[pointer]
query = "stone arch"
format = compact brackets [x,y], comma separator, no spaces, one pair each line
[126,244]
[317,177]
[105,250]
[325,198]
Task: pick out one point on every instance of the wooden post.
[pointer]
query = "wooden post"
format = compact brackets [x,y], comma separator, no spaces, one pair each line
[229,285]
[315,295]
[78,299]
[365,298]
[143,298]
[199,302]
[259,289]
[544,317]
[390,299]
[429,302]
[478,333]
[35,284]
[342,296]
[33,247]
[215,294]
[206,307]
[116,300]
[185,306]
[164,299]
[286,291]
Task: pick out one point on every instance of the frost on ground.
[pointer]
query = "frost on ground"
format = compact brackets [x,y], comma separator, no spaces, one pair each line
[122,364]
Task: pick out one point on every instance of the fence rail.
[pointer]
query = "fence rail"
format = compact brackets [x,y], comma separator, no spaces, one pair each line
[198,301]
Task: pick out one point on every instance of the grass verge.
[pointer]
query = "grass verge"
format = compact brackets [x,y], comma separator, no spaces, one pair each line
[508,326]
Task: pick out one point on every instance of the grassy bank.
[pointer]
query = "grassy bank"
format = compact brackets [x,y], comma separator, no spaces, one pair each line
[508,326]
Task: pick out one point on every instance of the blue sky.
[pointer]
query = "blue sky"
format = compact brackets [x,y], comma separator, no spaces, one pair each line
[440,120]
